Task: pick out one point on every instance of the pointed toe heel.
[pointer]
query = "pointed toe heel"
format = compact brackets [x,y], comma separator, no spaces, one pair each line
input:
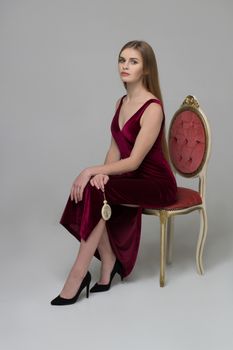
[117,268]
[63,301]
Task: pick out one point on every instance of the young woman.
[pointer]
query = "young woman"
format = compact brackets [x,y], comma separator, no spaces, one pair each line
[135,172]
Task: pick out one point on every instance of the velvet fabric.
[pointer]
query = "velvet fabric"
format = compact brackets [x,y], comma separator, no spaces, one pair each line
[187,142]
[186,198]
[151,185]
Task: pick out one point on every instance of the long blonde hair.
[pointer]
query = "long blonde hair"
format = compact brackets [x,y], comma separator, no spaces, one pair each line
[150,78]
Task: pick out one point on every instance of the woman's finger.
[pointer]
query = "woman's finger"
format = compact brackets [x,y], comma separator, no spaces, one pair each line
[79,193]
[99,184]
[96,183]
[75,194]
[72,193]
[78,190]
[102,184]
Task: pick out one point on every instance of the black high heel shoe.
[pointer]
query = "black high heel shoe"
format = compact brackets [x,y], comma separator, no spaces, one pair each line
[85,283]
[117,268]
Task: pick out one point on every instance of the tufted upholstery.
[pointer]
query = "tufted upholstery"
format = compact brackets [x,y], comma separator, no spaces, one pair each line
[187,142]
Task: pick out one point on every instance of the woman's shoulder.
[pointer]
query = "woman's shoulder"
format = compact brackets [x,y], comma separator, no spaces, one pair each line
[154,107]
[151,96]
[118,102]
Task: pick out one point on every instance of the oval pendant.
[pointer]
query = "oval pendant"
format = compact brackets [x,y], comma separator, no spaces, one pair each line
[106,211]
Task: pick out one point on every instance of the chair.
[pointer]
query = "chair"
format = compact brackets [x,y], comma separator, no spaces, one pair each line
[189,143]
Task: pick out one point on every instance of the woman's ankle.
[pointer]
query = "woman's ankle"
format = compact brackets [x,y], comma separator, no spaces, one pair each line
[108,259]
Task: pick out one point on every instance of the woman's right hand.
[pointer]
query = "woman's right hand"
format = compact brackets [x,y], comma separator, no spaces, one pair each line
[99,181]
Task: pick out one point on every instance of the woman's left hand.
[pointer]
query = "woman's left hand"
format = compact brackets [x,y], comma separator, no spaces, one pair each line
[78,185]
[99,180]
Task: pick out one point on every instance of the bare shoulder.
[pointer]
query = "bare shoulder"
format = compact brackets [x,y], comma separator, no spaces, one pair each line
[118,102]
[152,114]
[150,95]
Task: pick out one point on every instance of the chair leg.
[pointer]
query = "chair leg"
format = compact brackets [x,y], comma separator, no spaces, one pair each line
[163,230]
[170,234]
[201,240]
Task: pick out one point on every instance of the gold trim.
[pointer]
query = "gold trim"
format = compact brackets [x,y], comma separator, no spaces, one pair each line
[163,230]
[170,235]
[191,101]
[163,216]
[156,212]
[201,240]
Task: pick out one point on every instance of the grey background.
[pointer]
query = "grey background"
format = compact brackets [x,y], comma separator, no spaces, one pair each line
[58,87]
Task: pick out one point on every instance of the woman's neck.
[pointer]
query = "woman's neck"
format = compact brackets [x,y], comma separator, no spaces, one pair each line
[135,92]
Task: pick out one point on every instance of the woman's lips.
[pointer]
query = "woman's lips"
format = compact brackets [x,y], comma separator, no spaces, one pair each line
[124,73]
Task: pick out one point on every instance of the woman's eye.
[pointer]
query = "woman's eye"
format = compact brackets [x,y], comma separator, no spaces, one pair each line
[121,61]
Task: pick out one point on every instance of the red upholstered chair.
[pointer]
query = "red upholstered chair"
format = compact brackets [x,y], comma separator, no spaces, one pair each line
[189,143]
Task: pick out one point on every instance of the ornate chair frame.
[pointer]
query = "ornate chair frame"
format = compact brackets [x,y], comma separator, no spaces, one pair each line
[166,214]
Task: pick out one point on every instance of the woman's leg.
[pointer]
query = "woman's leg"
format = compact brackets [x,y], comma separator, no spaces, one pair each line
[79,269]
[107,256]
[86,251]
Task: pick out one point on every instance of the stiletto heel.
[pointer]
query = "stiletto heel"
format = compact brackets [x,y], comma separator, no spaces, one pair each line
[117,268]
[63,301]
[88,286]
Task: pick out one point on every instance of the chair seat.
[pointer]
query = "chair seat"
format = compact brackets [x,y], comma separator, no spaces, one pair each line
[186,198]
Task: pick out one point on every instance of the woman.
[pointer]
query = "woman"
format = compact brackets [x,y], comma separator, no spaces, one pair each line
[135,172]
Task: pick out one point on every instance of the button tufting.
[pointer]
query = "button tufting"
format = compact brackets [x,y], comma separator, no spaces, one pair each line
[187,142]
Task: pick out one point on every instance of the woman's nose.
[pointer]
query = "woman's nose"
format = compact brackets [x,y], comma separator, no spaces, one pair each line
[125,65]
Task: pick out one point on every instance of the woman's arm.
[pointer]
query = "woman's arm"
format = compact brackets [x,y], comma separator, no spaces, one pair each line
[150,127]
[113,153]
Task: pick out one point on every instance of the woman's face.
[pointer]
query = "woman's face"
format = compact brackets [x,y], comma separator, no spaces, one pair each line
[130,65]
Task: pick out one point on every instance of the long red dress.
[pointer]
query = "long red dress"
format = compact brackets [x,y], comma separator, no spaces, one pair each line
[150,186]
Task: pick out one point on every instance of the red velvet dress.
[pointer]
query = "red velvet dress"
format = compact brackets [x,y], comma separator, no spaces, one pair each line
[150,186]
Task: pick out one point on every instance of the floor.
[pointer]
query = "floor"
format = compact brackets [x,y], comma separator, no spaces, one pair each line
[190,312]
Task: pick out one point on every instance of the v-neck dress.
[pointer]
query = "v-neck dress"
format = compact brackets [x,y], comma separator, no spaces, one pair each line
[151,185]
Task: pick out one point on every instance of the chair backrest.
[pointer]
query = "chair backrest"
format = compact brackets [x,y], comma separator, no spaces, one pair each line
[189,139]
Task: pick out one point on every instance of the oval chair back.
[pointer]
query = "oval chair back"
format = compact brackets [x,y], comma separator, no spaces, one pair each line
[189,139]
